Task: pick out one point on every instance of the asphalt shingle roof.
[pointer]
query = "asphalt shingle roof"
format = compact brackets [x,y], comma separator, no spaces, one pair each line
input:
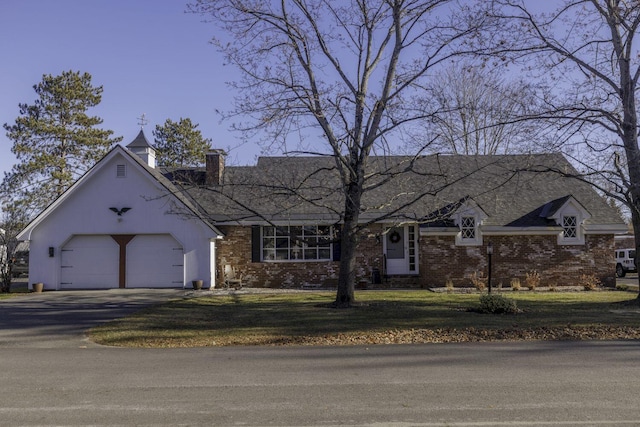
[513,190]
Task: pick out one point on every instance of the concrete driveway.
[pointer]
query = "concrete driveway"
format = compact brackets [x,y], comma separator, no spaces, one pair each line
[60,319]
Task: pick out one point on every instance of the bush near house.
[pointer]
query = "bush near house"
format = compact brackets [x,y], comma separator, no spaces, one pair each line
[497,304]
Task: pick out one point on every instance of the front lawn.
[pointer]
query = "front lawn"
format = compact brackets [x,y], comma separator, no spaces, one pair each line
[384,317]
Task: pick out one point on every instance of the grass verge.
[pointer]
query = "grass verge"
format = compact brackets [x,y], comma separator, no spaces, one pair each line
[383,317]
[16,289]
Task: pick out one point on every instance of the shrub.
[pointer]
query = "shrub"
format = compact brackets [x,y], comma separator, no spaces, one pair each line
[622,287]
[449,285]
[589,282]
[497,304]
[478,281]
[515,284]
[532,279]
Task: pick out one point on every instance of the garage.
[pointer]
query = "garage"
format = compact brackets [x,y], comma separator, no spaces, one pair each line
[154,261]
[130,261]
[89,261]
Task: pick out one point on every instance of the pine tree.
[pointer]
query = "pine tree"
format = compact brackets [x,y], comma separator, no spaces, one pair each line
[54,140]
[180,144]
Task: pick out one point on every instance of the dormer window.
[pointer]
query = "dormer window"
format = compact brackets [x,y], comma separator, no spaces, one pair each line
[469,217]
[570,227]
[468,228]
[569,215]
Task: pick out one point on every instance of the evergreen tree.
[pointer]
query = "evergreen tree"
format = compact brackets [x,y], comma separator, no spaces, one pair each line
[54,140]
[180,144]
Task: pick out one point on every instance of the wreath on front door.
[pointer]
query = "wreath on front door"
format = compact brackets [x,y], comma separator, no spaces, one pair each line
[394,237]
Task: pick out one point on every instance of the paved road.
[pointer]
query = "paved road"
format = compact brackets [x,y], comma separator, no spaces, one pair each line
[59,379]
[524,384]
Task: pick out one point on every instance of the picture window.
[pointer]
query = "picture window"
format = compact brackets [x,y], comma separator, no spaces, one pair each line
[296,243]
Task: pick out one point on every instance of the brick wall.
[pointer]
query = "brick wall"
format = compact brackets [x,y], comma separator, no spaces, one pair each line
[513,257]
[439,260]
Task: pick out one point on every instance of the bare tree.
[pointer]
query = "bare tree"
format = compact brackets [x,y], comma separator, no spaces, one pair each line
[478,111]
[11,224]
[346,70]
[584,51]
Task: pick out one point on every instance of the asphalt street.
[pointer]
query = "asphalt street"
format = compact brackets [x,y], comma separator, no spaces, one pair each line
[69,381]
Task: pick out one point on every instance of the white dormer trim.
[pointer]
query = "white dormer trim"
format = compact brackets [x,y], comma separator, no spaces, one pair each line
[570,217]
[469,218]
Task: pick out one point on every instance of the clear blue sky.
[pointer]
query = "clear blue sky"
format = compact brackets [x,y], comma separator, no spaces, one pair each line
[150,57]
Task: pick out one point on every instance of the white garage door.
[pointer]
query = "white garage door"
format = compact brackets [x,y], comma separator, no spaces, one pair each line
[89,262]
[154,261]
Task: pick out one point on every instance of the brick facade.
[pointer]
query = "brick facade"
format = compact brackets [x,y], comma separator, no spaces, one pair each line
[515,256]
[440,260]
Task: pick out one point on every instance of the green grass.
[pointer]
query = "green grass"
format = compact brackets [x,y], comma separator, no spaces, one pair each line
[304,318]
[16,289]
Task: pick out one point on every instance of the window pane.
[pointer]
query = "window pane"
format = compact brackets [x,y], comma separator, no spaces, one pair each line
[468,227]
[268,231]
[268,254]
[268,243]
[310,254]
[569,225]
[324,230]
[296,252]
[324,254]
[295,231]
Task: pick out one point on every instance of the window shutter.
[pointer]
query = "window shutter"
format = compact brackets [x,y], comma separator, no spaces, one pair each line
[255,243]
[336,245]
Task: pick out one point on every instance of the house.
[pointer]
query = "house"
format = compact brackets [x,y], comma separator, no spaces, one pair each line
[425,221]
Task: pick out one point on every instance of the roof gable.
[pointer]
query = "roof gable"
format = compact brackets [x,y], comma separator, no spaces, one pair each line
[117,152]
[556,208]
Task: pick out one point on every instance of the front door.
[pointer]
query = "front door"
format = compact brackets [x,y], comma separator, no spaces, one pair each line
[401,250]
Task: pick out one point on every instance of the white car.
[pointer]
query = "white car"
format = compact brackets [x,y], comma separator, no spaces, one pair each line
[625,262]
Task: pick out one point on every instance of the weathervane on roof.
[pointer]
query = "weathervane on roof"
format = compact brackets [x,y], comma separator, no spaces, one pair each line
[142,120]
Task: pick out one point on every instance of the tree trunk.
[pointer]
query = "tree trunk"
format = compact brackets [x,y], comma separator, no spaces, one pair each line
[347,275]
[348,245]
[630,141]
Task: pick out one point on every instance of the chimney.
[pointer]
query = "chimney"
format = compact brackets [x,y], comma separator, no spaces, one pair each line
[215,166]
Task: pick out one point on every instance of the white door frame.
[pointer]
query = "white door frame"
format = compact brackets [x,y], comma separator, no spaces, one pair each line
[400,247]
